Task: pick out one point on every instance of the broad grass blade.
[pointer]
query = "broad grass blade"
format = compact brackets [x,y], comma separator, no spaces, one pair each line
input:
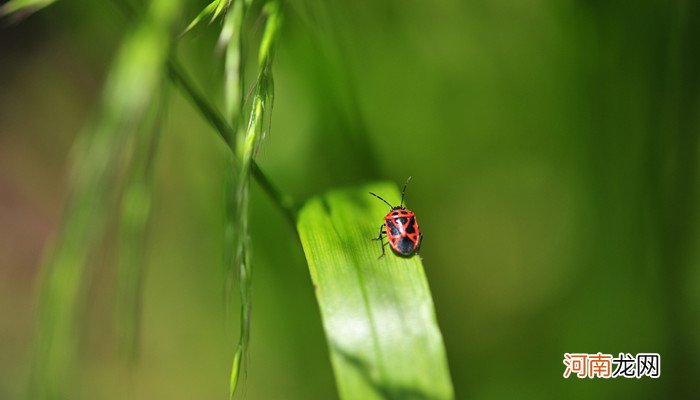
[378,314]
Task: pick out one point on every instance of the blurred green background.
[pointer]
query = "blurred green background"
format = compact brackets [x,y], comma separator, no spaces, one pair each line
[554,152]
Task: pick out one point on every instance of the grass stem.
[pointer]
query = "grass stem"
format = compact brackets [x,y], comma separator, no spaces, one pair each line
[177,73]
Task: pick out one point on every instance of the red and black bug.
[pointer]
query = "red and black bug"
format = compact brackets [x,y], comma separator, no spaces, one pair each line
[400,227]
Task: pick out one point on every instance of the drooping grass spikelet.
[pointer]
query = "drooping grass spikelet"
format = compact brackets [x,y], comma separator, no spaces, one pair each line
[135,76]
[248,140]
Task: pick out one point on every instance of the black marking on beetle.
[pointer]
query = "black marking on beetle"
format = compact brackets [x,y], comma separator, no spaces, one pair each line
[411,228]
[405,245]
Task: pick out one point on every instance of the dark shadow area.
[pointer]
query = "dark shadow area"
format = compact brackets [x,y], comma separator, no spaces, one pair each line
[391,392]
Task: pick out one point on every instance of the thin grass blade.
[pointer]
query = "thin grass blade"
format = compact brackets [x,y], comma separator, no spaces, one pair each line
[23,8]
[378,314]
[231,38]
[210,12]
[134,218]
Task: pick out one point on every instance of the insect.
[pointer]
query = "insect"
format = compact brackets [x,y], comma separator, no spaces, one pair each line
[400,227]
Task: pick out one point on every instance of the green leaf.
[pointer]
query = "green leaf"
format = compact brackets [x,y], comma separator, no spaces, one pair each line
[24,6]
[377,313]
[211,12]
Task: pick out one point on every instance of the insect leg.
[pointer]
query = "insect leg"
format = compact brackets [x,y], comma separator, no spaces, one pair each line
[381,233]
[380,237]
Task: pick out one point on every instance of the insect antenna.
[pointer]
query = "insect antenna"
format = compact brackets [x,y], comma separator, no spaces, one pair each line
[403,192]
[387,203]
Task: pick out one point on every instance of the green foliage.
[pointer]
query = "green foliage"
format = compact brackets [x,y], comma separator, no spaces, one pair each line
[377,313]
[106,145]
[135,213]
[556,145]
[24,6]
[394,348]
[245,146]
[231,38]
[211,12]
